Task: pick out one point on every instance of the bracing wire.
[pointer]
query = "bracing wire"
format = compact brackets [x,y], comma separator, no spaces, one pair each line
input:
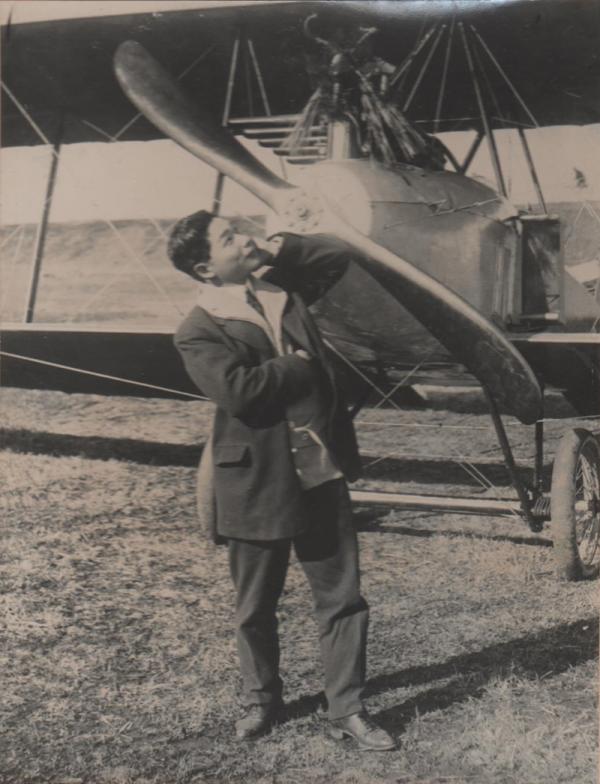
[438,107]
[11,234]
[103,289]
[424,68]
[133,255]
[106,376]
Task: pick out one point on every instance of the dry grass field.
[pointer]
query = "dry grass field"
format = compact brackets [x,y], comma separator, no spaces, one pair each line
[118,659]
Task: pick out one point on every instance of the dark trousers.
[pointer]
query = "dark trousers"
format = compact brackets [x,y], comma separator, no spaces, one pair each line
[328,553]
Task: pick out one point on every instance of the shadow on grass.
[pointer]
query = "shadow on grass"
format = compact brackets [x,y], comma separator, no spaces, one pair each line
[160,453]
[155,453]
[445,471]
[546,653]
[368,520]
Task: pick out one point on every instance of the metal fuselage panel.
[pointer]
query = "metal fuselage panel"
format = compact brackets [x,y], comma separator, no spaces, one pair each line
[448,225]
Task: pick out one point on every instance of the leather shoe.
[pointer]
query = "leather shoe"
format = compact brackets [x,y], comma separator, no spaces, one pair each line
[257,720]
[361,727]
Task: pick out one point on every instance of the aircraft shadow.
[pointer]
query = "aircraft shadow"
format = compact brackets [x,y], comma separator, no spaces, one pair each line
[155,453]
[159,453]
[368,520]
[545,653]
[443,471]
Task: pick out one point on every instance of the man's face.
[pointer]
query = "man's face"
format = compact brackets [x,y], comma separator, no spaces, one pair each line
[233,257]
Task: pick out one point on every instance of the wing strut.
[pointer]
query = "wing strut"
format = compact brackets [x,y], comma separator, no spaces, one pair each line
[513,89]
[241,41]
[485,120]
[220,181]
[42,229]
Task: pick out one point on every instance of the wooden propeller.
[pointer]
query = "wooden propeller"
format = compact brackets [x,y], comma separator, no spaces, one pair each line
[464,331]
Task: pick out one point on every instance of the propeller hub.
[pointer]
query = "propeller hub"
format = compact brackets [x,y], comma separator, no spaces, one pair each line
[301,212]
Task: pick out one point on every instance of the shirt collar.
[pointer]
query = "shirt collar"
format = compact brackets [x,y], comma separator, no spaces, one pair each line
[229,301]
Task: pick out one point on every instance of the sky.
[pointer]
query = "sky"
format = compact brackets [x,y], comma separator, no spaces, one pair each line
[159,179]
[117,181]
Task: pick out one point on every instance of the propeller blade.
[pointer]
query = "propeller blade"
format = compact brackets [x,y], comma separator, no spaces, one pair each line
[469,336]
[161,99]
[463,330]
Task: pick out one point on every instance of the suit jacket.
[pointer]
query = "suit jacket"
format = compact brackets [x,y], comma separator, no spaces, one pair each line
[257,491]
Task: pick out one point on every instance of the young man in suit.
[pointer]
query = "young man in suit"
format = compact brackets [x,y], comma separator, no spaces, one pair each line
[283,446]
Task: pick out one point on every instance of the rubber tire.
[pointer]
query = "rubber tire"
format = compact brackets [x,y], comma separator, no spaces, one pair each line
[568,561]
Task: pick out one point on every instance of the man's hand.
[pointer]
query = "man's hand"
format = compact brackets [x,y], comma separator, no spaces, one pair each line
[302,353]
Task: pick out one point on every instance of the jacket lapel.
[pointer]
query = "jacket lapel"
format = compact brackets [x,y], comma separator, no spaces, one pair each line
[246,332]
[299,326]
[235,316]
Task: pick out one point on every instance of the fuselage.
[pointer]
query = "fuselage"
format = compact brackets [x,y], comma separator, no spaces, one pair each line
[457,229]
[448,225]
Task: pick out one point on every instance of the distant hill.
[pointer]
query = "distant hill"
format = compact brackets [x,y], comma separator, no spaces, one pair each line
[97,272]
[103,272]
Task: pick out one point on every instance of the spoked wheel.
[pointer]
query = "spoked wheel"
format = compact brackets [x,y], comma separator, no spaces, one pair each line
[575,506]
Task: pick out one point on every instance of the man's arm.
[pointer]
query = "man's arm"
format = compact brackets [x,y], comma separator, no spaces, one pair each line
[218,370]
[309,264]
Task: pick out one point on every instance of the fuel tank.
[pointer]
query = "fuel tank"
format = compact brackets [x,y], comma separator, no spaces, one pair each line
[452,227]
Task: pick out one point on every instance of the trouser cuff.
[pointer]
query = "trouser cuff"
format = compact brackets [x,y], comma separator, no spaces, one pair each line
[343,711]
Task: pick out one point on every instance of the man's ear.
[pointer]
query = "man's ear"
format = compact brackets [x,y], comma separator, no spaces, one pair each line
[202,270]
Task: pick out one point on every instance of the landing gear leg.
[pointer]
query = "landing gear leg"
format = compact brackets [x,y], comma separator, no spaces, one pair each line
[534,523]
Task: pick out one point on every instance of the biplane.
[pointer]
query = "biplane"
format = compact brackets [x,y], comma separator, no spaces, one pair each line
[448,272]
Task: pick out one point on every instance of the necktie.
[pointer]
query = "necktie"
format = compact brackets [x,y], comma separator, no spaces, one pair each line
[254,303]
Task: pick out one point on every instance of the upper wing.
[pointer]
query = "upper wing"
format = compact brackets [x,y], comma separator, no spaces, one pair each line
[548,49]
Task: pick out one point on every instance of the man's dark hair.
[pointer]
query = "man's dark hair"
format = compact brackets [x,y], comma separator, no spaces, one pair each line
[188,244]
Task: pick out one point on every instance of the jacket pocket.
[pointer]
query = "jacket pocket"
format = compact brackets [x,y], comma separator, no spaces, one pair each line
[232,455]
